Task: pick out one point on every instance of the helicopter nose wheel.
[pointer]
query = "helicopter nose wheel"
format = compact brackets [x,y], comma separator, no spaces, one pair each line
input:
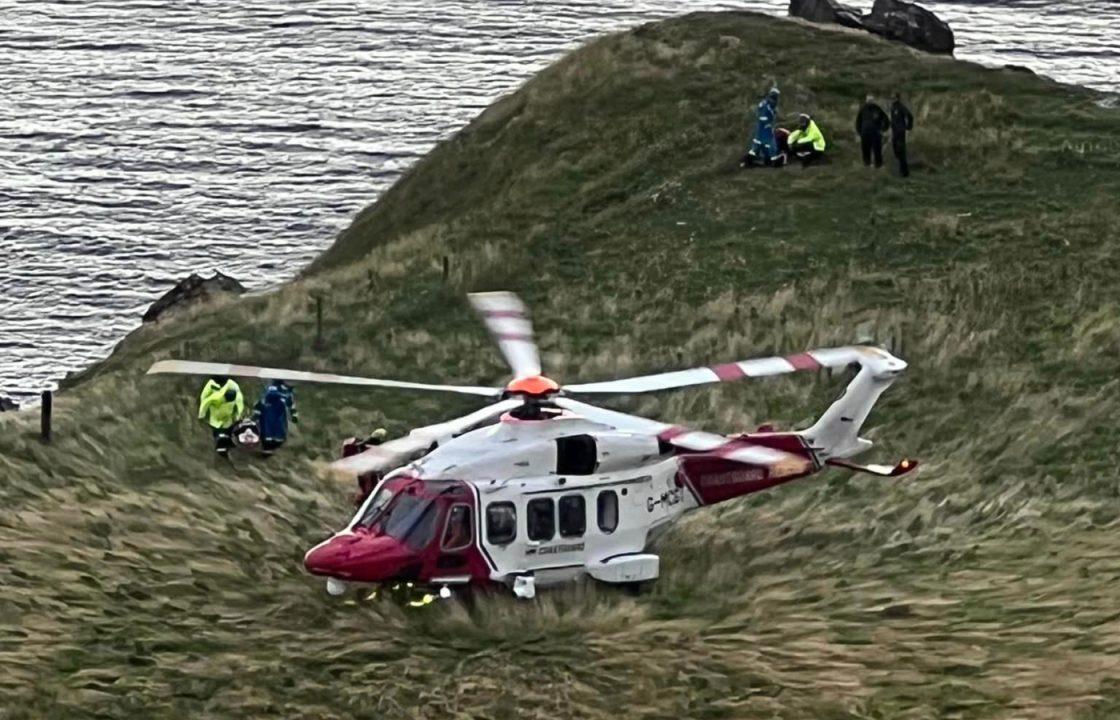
[524,587]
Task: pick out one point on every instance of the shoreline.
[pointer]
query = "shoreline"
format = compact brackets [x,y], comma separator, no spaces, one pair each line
[1107,99]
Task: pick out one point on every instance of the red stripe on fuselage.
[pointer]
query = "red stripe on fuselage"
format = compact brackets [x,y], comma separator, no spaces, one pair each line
[675,431]
[715,479]
[803,361]
[788,442]
[732,446]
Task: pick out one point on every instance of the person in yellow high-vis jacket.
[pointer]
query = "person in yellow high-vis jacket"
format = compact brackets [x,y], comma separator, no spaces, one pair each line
[221,405]
[806,143]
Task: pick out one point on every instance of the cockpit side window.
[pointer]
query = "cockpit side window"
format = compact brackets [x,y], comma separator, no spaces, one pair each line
[501,523]
[423,531]
[459,530]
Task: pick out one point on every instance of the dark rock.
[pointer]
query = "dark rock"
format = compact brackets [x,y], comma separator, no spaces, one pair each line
[826,11]
[8,405]
[1019,69]
[191,290]
[896,20]
[911,24]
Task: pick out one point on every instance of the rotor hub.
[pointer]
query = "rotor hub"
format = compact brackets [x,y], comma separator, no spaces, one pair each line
[533,386]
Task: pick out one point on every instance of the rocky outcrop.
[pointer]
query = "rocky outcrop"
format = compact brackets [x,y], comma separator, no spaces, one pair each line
[7,404]
[895,20]
[912,24]
[191,290]
[826,11]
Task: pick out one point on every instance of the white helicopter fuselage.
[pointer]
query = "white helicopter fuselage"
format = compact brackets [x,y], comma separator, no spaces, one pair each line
[576,512]
[546,501]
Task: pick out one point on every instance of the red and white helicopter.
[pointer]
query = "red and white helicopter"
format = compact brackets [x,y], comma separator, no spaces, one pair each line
[540,488]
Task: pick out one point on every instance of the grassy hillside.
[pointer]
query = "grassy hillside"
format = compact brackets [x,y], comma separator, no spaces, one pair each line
[141,578]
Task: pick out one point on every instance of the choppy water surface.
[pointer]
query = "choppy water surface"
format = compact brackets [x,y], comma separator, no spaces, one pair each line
[140,141]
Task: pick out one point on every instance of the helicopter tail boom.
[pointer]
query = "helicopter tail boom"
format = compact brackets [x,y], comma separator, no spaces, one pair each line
[836,433]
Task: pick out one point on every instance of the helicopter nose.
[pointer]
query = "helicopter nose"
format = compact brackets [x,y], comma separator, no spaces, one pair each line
[328,556]
[357,557]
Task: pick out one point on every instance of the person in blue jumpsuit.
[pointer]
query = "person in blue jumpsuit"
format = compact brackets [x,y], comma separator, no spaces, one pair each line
[764,147]
[277,403]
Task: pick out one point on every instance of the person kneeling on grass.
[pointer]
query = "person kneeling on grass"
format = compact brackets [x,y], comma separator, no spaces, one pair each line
[806,143]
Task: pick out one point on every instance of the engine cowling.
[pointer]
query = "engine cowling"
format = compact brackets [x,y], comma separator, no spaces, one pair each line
[619,451]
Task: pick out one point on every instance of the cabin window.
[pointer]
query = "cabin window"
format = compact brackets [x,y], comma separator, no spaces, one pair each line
[541,519]
[501,523]
[573,516]
[608,511]
[458,531]
[576,455]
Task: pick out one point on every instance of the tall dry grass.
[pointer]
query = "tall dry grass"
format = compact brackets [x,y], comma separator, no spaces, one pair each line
[143,578]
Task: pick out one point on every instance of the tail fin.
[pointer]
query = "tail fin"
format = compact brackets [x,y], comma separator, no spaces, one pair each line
[836,433]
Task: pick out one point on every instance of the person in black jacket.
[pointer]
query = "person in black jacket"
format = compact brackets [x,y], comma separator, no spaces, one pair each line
[871,123]
[902,121]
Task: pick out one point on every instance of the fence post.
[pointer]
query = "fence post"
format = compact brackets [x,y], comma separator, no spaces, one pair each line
[45,416]
[318,343]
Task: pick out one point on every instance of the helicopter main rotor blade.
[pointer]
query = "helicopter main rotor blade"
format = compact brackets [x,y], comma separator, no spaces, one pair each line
[779,462]
[188,367]
[395,452]
[507,319]
[380,458]
[759,367]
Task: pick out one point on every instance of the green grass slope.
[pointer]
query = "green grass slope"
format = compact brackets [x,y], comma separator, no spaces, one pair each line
[141,578]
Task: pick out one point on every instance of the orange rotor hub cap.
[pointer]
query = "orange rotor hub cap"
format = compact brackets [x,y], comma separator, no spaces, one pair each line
[533,385]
